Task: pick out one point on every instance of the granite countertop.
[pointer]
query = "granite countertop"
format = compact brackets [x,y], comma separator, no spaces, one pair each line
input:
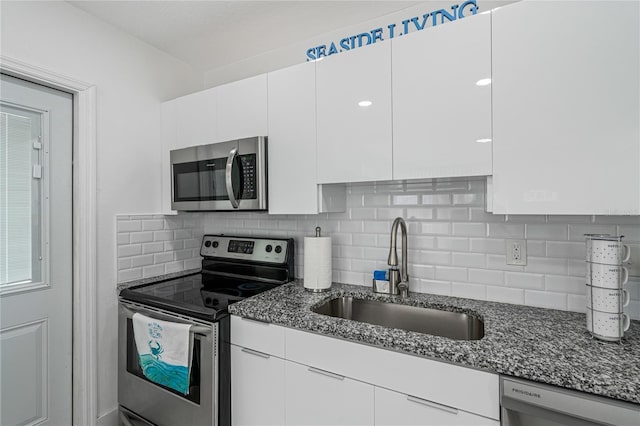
[542,345]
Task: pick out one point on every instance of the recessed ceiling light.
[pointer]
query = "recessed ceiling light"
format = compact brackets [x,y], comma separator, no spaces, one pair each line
[365,103]
[483,82]
[483,140]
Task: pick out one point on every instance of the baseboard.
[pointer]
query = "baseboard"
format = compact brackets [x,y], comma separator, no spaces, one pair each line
[110,418]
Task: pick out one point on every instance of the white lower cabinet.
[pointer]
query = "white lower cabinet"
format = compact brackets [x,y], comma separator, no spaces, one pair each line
[318,397]
[290,377]
[257,388]
[394,408]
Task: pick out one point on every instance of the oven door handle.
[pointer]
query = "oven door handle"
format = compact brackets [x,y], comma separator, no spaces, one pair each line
[199,329]
[228,170]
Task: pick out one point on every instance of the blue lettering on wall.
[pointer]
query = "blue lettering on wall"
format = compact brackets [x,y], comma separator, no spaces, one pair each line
[415,23]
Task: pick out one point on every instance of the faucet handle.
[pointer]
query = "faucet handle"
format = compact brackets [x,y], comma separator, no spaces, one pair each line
[403,287]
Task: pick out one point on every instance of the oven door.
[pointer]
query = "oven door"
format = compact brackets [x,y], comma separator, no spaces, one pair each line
[222,176]
[157,404]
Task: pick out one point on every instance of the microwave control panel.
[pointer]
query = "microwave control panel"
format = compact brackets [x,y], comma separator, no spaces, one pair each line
[248,176]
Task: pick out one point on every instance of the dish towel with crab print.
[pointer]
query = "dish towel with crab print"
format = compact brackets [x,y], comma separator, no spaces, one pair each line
[164,351]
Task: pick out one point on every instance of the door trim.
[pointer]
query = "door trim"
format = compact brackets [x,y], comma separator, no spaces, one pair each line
[84,357]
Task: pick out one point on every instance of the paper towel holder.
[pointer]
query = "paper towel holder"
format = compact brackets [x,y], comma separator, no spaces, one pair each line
[316,287]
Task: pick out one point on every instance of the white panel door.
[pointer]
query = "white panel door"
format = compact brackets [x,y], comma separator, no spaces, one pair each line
[442,100]
[35,254]
[394,408]
[242,109]
[317,397]
[566,108]
[257,388]
[354,115]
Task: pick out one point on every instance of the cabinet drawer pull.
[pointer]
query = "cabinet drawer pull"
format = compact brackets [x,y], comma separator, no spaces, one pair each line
[256,353]
[432,404]
[255,320]
[326,373]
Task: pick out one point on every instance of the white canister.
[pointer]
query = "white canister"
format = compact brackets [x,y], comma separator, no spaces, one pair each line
[607,326]
[607,249]
[317,263]
[609,276]
[610,300]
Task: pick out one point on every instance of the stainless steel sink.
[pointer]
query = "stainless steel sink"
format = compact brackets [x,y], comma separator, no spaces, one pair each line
[453,325]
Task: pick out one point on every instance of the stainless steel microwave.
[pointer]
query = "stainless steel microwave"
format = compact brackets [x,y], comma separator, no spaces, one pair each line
[225,176]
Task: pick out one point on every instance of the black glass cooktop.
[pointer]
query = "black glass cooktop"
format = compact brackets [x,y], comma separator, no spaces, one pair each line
[198,295]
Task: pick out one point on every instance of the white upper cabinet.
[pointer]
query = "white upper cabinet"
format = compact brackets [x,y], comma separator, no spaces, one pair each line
[195,118]
[242,109]
[566,101]
[354,115]
[442,100]
[292,144]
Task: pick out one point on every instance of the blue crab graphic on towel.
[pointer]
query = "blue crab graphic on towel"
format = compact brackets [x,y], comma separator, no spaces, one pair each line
[164,351]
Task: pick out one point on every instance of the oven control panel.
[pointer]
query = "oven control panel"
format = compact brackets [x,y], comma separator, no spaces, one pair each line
[253,249]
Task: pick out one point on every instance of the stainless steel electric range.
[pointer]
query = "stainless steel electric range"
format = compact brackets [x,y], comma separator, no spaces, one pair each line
[233,268]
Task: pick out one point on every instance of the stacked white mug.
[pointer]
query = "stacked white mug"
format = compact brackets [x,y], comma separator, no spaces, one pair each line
[606,277]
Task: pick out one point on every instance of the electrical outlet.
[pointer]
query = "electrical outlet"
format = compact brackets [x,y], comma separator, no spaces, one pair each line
[516,251]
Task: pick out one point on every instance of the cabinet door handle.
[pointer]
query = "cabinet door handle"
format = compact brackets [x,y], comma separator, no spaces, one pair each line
[326,373]
[256,353]
[432,404]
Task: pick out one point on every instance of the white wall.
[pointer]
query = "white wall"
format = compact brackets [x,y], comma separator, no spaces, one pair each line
[281,57]
[132,79]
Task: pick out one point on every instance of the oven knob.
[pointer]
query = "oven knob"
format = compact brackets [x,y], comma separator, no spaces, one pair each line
[207,243]
[215,244]
[269,248]
[278,249]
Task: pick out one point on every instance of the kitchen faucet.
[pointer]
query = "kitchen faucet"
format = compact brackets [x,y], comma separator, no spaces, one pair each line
[398,279]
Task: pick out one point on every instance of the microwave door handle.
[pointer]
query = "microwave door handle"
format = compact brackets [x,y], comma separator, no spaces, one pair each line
[230,160]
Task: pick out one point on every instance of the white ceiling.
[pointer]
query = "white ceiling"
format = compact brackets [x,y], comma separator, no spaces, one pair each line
[212,34]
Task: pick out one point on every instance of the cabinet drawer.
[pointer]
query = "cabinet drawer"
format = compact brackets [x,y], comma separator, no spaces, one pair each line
[394,408]
[260,336]
[468,389]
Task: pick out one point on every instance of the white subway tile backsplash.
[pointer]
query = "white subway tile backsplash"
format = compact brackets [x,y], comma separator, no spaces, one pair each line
[505,230]
[521,280]
[141,237]
[546,265]
[547,231]
[544,299]
[472,260]
[455,247]
[488,245]
[452,243]
[152,225]
[576,232]
[505,295]
[449,273]
[131,250]
[142,260]
[469,291]
[568,250]
[152,271]
[563,284]
[469,229]
[486,276]
[440,228]
[436,199]
[129,226]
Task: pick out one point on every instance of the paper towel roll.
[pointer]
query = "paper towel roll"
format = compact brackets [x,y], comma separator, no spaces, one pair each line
[317,263]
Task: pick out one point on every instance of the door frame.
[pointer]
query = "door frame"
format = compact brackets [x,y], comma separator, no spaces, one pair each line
[84,357]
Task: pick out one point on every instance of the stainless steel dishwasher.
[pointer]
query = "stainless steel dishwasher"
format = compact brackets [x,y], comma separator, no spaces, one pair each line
[525,403]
